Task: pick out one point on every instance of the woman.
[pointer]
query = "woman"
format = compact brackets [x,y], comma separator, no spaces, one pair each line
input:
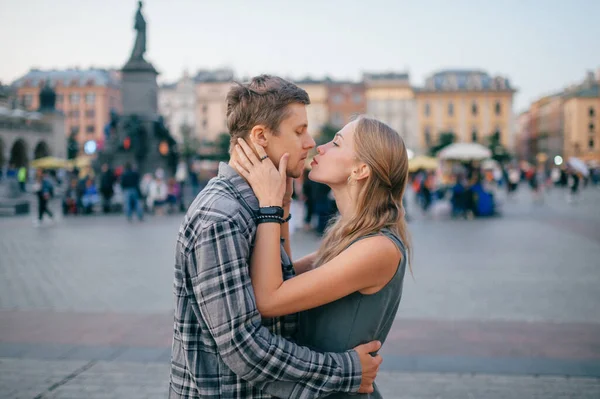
[348,292]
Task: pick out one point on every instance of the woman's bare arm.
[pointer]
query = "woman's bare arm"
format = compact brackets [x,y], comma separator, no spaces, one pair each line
[368,263]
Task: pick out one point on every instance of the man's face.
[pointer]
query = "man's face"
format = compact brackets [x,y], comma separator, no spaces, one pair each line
[293,138]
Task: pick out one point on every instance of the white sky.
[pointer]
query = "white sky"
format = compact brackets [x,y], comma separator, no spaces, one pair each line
[540,45]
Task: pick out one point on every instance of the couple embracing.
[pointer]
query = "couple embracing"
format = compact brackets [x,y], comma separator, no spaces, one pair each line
[250,321]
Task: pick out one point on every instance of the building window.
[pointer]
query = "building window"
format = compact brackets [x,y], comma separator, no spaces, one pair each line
[592,112]
[474,108]
[89,129]
[204,122]
[591,128]
[90,98]
[75,130]
[74,98]
[591,143]
[450,109]
[357,98]
[427,134]
[498,108]
[474,136]
[337,119]
[427,109]
[90,113]
[338,98]
[205,108]
[27,100]
[74,113]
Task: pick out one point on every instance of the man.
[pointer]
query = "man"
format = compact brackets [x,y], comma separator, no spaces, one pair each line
[221,347]
[107,181]
[130,183]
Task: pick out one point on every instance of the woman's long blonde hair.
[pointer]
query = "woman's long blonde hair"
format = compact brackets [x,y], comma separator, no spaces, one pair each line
[379,202]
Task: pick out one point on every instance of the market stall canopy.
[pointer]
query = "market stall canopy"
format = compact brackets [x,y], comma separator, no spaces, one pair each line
[49,163]
[465,152]
[422,162]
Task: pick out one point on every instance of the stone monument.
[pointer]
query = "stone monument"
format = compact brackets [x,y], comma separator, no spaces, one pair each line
[139,135]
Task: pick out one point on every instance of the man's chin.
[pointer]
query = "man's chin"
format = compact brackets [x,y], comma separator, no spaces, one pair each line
[294,174]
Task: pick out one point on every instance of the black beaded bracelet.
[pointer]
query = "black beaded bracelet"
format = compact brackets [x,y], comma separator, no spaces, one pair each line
[287,219]
[269,219]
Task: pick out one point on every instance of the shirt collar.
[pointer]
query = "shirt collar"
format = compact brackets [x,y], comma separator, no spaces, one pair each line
[239,184]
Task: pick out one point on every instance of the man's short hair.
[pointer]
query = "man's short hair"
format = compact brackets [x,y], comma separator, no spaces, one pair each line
[263,101]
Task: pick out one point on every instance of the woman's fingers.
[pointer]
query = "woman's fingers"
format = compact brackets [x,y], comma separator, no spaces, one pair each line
[239,168]
[243,159]
[248,152]
[260,150]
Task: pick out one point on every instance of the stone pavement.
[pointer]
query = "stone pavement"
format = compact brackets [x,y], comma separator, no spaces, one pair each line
[502,307]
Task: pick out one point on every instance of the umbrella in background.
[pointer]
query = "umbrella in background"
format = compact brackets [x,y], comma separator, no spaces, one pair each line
[465,152]
[422,162]
[578,165]
[49,163]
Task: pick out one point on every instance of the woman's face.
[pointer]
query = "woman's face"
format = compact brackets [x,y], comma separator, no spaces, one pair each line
[335,160]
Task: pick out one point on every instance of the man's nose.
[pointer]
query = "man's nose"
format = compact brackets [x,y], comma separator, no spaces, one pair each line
[310,143]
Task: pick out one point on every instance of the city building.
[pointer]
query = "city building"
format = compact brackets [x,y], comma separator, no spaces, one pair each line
[177,104]
[86,98]
[28,135]
[546,134]
[390,98]
[582,119]
[345,101]
[468,103]
[211,89]
[523,141]
[317,112]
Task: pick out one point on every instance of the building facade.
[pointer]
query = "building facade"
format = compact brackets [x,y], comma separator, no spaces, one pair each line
[85,97]
[317,112]
[546,127]
[177,104]
[28,135]
[390,98]
[582,119]
[211,89]
[470,104]
[345,101]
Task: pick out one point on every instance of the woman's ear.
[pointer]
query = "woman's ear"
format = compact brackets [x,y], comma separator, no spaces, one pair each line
[361,171]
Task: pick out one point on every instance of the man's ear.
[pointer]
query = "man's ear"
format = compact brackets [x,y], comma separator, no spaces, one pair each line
[260,135]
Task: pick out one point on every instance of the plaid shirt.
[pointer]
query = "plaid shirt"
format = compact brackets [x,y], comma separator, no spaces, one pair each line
[221,347]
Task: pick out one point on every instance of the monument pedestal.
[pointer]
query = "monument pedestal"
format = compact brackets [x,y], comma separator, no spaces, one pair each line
[140,90]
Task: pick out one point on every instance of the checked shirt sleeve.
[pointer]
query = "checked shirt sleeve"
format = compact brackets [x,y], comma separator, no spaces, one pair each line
[226,301]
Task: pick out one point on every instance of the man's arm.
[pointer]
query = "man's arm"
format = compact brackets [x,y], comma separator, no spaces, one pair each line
[226,301]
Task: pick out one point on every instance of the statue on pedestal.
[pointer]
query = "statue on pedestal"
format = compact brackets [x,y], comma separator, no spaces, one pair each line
[139,48]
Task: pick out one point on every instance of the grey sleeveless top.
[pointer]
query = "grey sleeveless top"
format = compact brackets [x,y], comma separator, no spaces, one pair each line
[355,319]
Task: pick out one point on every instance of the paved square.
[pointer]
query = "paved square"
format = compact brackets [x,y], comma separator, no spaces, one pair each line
[501,307]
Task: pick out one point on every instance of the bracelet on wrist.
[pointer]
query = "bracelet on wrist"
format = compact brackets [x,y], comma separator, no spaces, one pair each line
[269,219]
[287,219]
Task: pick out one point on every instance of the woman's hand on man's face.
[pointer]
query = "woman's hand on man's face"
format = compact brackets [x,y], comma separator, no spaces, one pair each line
[269,184]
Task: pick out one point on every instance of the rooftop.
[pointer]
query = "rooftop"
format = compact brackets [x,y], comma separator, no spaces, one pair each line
[465,79]
[70,77]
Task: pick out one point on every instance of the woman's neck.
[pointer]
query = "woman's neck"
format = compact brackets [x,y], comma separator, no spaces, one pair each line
[345,199]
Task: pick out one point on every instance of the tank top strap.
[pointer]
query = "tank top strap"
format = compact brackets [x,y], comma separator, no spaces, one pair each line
[396,240]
